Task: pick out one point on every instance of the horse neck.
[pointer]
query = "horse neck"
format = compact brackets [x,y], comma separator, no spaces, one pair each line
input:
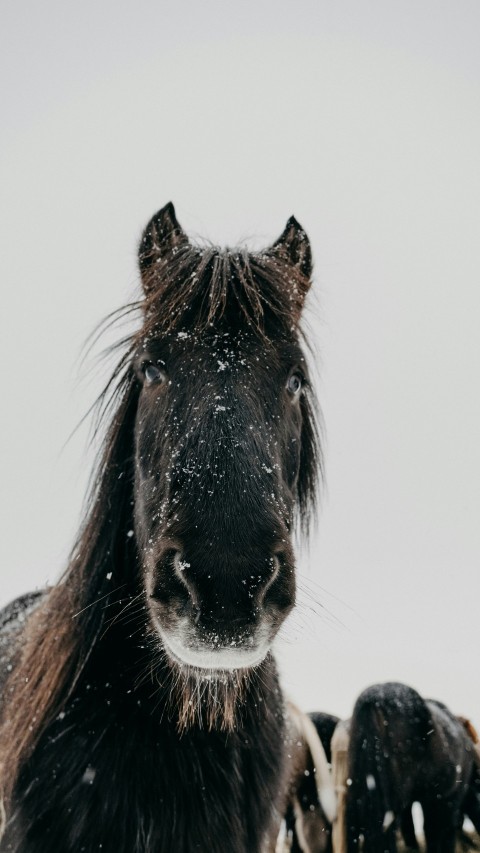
[231,781]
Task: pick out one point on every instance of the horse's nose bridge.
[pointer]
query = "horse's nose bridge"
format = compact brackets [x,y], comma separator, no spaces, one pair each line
[228,455]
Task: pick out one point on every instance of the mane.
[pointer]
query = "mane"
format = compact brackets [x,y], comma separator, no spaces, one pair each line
[199,289]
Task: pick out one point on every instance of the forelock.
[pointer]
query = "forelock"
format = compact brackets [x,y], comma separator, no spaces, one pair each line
[197,288]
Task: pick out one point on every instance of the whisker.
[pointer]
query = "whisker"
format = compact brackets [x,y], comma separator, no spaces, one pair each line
[118,616]
[93,603]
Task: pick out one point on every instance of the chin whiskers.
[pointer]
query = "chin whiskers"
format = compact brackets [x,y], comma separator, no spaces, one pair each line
[209,699]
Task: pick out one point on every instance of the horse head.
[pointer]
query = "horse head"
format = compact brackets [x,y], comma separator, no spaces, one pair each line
[224,444]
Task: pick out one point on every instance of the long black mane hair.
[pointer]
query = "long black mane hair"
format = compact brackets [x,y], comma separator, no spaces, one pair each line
[96,621]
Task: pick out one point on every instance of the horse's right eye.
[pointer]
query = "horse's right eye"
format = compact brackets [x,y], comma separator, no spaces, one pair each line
[152,373]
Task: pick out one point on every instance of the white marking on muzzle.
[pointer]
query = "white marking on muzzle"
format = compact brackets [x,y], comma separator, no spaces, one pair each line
[216,659]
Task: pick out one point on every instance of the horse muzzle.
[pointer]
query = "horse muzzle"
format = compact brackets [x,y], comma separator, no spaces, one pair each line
[219,618]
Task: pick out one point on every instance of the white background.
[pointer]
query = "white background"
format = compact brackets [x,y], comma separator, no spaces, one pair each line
[362,119]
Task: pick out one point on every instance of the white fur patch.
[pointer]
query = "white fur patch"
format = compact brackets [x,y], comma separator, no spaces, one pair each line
[214,659]
[3,818]
[388,819]
[323,777]
[302,841]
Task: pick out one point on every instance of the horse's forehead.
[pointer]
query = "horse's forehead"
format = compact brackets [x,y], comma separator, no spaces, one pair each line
[211,341]
[231,347]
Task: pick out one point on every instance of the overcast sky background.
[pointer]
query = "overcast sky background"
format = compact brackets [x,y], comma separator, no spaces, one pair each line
[363,120]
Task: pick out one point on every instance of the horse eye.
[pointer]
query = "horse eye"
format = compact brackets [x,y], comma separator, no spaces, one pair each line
[294,384]
[152,373]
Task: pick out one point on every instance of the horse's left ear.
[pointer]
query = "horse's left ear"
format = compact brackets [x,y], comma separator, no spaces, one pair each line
[162,236]
[294,246]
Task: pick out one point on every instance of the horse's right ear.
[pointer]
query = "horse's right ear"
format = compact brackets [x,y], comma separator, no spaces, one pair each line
[469,728]
[162,236]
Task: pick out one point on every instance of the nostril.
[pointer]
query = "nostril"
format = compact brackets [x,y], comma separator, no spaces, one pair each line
[267,579]
[180,563]
[276,587]
[181,567]
[168,579]
[274,565]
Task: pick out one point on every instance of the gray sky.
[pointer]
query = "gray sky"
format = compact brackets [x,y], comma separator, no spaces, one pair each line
[362,119]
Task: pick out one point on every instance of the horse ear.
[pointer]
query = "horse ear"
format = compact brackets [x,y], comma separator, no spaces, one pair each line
[294,246]
[162,236]
[469,728]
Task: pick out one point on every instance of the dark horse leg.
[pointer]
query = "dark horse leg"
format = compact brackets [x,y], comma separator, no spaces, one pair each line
[440,825]
[380,841]
[290,827]
[408,829]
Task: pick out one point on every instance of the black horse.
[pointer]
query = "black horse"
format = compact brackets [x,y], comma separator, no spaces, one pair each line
[141,708]
[404,749]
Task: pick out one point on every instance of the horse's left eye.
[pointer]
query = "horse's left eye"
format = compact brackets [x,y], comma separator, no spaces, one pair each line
[152,373]
[294,384]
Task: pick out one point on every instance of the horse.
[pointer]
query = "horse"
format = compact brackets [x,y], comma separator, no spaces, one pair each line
[403,749]
[141,707]
[325,725]
[311,804]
